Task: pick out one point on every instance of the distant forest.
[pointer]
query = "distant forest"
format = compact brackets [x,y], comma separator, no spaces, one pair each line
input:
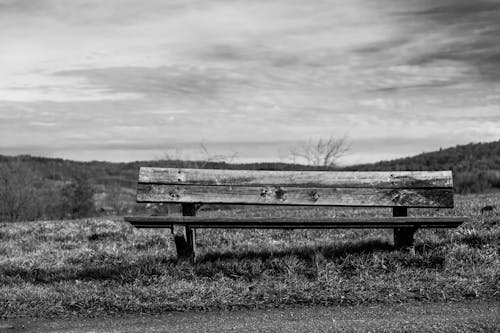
[39,187]
[476,166]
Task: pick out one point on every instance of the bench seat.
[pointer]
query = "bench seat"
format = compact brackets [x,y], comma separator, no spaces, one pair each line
[294,222]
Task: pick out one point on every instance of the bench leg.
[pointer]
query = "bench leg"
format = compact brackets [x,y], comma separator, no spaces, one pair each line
[403,237]
[184,236]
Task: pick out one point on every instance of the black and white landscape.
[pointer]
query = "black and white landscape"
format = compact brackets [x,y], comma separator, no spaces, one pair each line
[358,92]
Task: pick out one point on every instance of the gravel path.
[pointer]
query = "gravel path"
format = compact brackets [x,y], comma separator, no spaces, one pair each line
[447,317]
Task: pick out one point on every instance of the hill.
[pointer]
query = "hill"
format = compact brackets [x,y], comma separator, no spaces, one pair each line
[58,188]
[39,187]
[476,166]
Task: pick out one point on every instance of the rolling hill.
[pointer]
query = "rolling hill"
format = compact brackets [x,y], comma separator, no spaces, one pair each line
[478,161]
[56,188]
[476,166]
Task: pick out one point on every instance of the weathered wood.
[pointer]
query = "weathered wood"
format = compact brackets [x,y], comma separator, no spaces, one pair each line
[403,237]
[184,235]
[270,195]
[295,222]
[375,179]
[193,187]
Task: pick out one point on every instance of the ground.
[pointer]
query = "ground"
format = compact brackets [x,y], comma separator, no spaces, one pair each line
[104,267]
[470,316]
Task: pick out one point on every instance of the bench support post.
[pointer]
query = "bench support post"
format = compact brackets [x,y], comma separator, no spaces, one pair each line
[184,236]
[403,237]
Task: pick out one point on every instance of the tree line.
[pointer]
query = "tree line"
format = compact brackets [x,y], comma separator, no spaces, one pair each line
[475,166]
[26,194]
[36,187]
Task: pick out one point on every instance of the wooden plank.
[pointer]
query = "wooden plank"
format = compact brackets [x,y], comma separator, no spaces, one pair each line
[375,179]
[295,222]
[313,226]
[373,197]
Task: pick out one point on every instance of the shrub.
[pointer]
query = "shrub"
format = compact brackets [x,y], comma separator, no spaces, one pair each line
[77,198]
[20,187]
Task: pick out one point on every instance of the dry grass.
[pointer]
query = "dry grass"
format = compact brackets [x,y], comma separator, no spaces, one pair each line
[104,266]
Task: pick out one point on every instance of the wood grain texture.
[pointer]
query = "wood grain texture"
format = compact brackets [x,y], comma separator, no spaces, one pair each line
[269,195]
[364,179]
[294,222]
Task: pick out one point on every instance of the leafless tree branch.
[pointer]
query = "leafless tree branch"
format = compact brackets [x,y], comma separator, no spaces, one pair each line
[323,152]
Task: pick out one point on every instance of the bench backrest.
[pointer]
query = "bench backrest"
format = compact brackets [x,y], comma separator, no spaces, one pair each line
[314,188]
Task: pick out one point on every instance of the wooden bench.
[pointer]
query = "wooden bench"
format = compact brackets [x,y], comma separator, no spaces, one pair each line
[193,187]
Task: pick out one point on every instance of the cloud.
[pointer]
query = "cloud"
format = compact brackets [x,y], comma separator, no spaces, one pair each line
[473,34]
[164,81]
[120,74]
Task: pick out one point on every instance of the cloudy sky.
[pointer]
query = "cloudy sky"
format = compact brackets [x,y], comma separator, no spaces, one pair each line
[131,79]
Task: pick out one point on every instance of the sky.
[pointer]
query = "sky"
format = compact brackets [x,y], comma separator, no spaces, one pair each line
[123,80]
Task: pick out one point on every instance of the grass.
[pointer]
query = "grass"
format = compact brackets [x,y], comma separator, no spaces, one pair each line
[103,266]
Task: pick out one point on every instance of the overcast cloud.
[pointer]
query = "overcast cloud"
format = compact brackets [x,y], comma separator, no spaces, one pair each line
[130,79]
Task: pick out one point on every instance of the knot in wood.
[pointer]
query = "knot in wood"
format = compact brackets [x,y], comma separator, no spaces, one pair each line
[315,195]
[393,182]
[266,193]
[175,194]
[181,176]
[395,196]
[404,197]
[281,194]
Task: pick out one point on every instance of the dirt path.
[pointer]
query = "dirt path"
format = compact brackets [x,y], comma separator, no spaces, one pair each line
[448,317]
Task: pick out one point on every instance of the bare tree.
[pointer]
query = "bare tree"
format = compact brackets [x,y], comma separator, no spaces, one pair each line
[174,154]
[206,156]
[209,157]
[323,152]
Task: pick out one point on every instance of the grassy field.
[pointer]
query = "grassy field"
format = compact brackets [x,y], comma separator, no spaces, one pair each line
[94,267]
